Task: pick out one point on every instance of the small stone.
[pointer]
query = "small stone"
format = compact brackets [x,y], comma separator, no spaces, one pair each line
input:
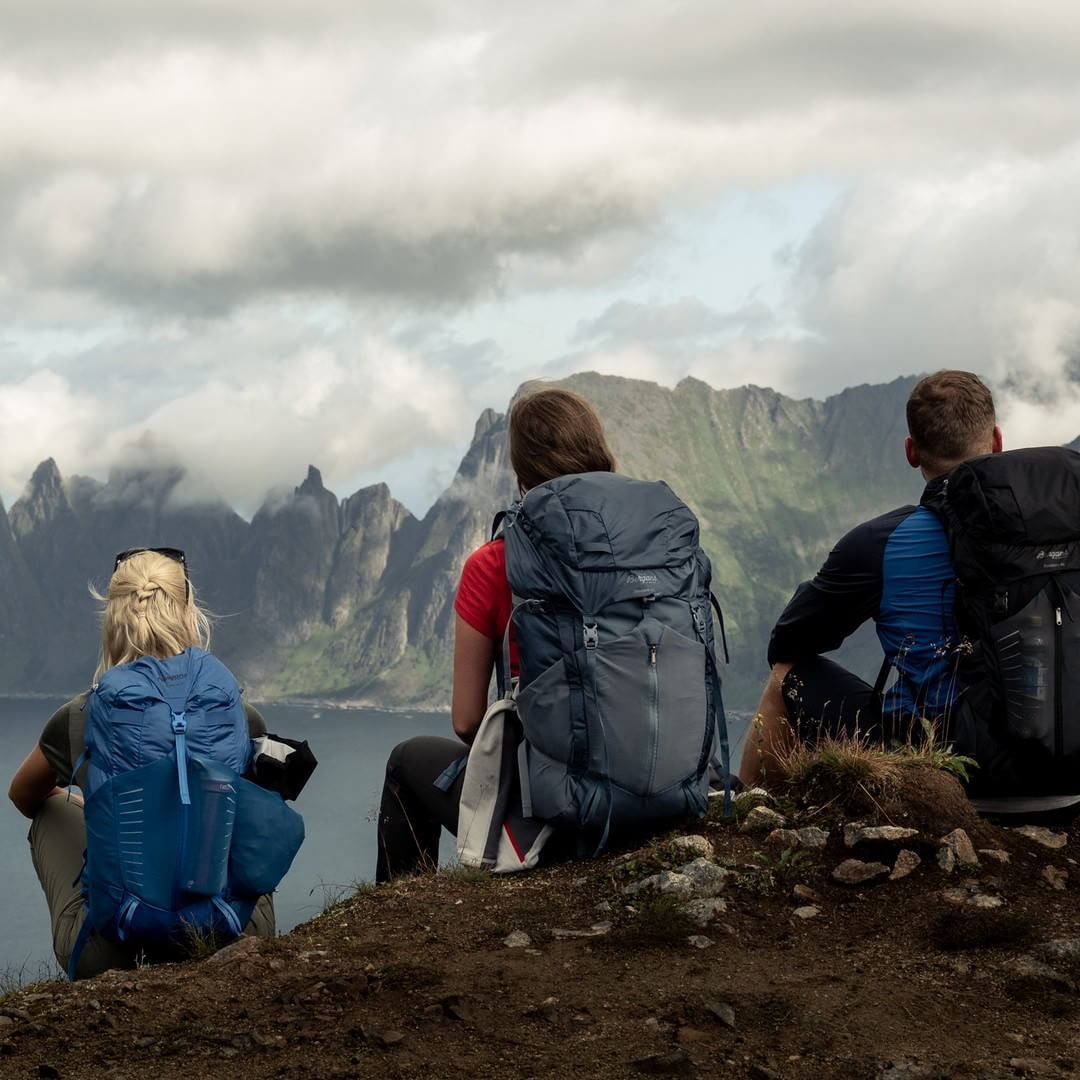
[1031,1066]
[1028,967]
[517,939]
[704,911]
[277,964]
[810,836]
[804,892]
[1055,877]
[603,907]
[994,854]
[946,859]
[1061,949]
[722,1011]
[906,862]
[242,949]
[856,872]
[677,1063]
[967,898]
[705,878]
[699,941]
[596,930]
[1043,836]
[962,847]
[854,833]
[762,819]
[689,1034]
[808,912]
[753,797]
[693,845]
[667,882]
[783,838]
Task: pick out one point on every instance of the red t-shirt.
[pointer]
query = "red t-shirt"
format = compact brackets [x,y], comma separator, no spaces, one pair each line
[483,599]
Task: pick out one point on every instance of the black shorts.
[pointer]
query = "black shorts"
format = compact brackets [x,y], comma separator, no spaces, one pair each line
[822,698]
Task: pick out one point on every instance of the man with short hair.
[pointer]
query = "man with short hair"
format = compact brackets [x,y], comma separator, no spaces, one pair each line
[894,569]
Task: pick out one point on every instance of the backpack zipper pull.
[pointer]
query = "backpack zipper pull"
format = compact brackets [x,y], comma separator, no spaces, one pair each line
[652,655]
[1057,616]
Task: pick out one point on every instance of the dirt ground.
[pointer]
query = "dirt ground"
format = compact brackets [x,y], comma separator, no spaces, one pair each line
[889,980]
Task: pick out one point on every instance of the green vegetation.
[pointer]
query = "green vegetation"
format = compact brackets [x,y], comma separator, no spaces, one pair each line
[657,922]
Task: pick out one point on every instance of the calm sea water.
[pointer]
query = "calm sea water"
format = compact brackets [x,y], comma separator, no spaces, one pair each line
[338,805]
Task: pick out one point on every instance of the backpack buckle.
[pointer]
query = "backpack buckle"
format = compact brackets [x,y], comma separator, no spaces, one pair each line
[591,635]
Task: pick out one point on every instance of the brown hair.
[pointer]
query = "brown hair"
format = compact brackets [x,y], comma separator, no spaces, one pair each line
[950,417]
[149,610]
[554,433]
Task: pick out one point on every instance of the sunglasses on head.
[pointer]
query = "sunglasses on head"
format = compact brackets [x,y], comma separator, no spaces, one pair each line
[170,553]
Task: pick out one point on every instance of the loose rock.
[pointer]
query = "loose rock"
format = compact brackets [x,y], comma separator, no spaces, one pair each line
[1055,877]
[1043,836]
[757,796]
[856,872]
[808,912]
[243,949]
[722,1011]
[517,939]
[704,911]
[854,833]
[693,845]
[706,878]
[906,861]
[667,881]
[1061,949]
[783,838]
[810,836]
[946,859]
[596,930]
[699,941]
[804,892]
[762,819]
[1028,967]
[968,898]
[994,854]
[961,846]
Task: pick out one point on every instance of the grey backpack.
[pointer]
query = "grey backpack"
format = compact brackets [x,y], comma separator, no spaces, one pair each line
[618,691]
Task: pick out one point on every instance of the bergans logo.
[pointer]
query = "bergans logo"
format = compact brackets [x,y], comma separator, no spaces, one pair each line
[641,577]
[1054,555]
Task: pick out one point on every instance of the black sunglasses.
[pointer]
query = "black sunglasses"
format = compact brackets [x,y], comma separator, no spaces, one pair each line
[170,553]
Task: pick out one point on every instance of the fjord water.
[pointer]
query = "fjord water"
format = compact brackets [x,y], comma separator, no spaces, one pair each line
[338,805]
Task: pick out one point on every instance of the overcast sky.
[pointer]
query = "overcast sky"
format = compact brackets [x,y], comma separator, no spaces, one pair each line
[271,233]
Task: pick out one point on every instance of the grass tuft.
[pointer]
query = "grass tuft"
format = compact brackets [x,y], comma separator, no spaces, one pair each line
[659,922]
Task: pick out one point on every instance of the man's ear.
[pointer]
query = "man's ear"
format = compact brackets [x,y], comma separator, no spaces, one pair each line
[911,452]
[998,444]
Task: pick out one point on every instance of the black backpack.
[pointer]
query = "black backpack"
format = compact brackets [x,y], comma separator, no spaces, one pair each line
[1013,522]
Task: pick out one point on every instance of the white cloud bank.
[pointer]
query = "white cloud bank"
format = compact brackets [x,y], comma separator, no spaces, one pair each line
[218,220]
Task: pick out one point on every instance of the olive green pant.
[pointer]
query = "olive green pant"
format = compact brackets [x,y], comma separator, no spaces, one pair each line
[57,842]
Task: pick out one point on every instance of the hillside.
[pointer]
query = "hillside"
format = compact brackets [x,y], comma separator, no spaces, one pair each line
[352,599]
[743,959]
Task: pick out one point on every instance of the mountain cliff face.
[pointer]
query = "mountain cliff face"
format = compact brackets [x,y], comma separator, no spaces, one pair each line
[353,599]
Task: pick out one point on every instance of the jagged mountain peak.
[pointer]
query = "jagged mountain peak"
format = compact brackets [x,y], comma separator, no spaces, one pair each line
[313,483]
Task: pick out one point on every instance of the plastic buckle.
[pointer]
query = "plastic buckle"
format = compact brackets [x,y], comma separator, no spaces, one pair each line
[179,724]
[591,635]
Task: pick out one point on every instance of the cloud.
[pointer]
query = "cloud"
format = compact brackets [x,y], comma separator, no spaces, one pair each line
[685,318]
[198,157]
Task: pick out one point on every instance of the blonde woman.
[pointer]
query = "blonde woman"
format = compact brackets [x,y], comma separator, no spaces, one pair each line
[149,612]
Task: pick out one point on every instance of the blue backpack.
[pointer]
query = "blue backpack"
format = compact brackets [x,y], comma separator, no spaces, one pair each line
[619,690]
[177,843]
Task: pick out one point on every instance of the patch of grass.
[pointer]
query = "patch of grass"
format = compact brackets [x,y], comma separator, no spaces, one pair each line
[465,875]
[200,944]
[335,894]
[659,921]
[853,770]
[960,931]
[16,978]
[788,866]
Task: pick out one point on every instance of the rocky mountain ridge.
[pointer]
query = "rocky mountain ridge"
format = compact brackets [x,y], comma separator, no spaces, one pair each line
[351,599]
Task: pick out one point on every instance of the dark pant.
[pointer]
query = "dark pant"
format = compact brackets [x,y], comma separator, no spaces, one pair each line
[822,698]
[413,810]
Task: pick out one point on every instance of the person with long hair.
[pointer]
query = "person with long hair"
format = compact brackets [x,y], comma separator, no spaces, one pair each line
[149,610]
[552,432]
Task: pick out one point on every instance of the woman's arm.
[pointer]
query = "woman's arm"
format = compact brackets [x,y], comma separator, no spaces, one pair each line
[474,660]
[34,781]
